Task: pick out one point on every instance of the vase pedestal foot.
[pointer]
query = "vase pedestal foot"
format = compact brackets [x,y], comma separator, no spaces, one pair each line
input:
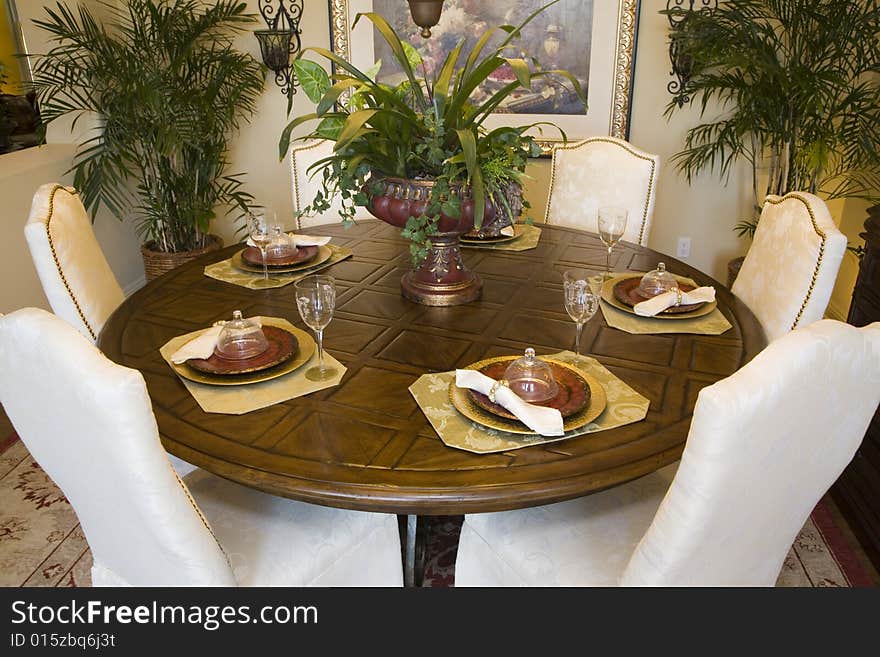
[442,279]
[441,294]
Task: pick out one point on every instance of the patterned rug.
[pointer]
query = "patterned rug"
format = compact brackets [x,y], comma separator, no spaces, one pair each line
[42,544]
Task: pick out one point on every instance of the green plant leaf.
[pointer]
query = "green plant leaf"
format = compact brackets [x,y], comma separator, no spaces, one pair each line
[353,123]
[521,70]
[312,77]
[332,95]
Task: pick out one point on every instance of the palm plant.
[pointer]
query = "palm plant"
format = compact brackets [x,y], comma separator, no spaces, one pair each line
[425,127]
[798,82]
[169,89]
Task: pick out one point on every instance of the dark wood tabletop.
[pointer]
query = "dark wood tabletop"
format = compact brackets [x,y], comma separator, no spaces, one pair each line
[365,444]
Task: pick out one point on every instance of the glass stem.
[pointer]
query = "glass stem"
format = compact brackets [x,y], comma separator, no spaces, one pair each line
[577,338]
[608,263]
[320,335]
[265,266]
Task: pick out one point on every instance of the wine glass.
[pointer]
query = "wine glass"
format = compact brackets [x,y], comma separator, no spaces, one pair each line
[581,302]
[260,228]
[612,223]
[316,300]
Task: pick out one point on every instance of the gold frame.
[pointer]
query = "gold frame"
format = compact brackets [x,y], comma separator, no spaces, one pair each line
[618,105]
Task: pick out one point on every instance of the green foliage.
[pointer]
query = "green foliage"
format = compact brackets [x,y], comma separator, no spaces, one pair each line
[169,90]
[420,128]
[798,82]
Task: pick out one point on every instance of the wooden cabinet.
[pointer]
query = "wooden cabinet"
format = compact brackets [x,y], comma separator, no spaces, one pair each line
[857,491]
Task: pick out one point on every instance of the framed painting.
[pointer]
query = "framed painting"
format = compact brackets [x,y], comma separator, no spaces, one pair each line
[594,40]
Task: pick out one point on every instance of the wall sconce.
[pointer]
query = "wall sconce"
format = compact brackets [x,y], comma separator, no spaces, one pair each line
[682,65]
[280,41]
[425,14]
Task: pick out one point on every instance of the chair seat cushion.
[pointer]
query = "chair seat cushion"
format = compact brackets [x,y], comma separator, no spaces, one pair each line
[273,541]
[581,542]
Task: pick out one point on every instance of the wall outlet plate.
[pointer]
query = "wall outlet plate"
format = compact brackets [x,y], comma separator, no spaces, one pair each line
[684,247]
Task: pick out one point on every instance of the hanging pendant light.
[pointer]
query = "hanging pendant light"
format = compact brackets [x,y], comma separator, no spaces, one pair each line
[425,14]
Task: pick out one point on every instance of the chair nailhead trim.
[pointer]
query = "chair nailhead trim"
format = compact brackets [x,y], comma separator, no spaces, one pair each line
[82,315]
[823,237]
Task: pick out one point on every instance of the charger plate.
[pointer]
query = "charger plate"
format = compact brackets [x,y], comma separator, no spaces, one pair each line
[497,239]
[324,254]
[573,395]
[251,256]
[306,347]
[282,345]
[465,404]
[607,294]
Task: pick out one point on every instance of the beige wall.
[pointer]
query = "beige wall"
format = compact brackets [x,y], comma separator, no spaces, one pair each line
[705,211]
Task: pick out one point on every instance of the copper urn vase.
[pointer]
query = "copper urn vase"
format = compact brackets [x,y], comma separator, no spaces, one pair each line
[442,279]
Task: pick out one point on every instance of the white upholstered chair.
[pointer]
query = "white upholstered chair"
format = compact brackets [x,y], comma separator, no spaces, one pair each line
[89,423]
[764,445]
[73,271]
[602,171]
[76,278]
[306,185]
[789,271]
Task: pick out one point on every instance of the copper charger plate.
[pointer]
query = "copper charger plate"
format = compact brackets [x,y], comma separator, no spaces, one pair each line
[324,254]
[495,239]
[282,345]
[620,293]
[251,256]
[573,395]
[304,348]
[465,404]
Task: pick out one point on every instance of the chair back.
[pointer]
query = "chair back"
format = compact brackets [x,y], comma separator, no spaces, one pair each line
[602,171]
[89,423]
[765,444]
[789,271]
[306,184]
[74,273]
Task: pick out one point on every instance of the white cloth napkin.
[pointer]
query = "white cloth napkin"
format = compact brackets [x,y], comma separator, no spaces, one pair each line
[546,421]
[303,240]
[661,302]
[203,345]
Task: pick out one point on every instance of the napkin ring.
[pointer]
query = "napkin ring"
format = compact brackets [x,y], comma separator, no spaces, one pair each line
[494,389]
[677,297]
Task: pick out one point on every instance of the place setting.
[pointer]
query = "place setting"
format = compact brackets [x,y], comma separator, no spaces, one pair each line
[239,365]
[273,258]
[659,301]
[517,237]
[508,402]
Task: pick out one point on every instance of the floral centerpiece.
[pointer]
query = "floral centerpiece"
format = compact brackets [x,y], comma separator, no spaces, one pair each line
[418,155]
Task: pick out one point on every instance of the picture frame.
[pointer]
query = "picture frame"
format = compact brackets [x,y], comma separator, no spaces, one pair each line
[608,76]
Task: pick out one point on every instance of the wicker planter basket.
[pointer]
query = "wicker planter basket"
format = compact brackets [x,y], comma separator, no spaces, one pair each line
[157,263]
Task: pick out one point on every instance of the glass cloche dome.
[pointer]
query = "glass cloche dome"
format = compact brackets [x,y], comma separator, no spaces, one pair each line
[281,245]
[241,338]
[657,281]
[531,378]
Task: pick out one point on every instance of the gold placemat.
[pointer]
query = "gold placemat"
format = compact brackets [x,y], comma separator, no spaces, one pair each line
[715,323]
[226,272]
[528,240]
[237,400]
[431,392]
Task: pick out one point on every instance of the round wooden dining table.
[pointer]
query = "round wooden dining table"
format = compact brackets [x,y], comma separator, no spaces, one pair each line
[365,444]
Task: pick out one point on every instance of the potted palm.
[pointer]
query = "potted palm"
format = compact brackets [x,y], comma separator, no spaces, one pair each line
[798,84]
[169,90]
[417,153]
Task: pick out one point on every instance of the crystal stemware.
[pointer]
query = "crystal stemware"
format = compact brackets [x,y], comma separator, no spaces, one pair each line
[316,300]
[612,224]
[581,302]
[260,230]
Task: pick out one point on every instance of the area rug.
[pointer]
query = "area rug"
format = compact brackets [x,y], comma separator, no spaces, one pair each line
[42,544]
